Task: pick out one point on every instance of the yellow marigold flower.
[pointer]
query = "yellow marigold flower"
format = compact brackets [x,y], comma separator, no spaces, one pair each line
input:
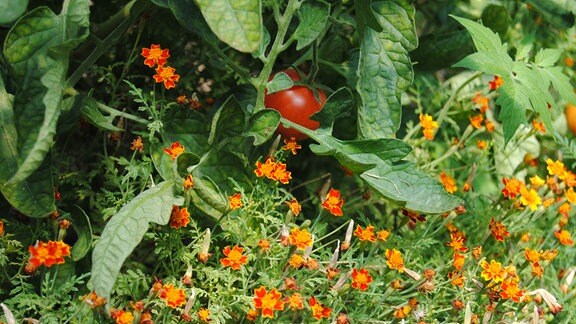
[448,183]
[175,150]
[492,271]
[531,255]
[333,203]
[481,101]
[548,255]
[495,83]
[235,201]
[509,290]
[155,55]
[564,237]
[300,238]
[456,278]
[570,195]
[458,261]
[188,182]
[537,182]
[179,217]
[204,315]
[538,126]
[361,279]
[530,198]
[296,261]
[365,234]
[234,257]
[294,206]
[265,169]
[294,301]
[268,302]
[525,237]
[428,125]
[166,75]
[394,260]
[382,235]
[476,121]
[556,168]
[291,145]
[137,144]
[121,317]
[481,144]
[174,297]
[498,230]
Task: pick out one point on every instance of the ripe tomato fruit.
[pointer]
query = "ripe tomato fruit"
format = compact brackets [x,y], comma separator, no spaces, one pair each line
[571,117]
[296,104]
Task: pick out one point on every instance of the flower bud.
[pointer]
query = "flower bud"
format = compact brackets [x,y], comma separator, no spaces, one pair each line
[346,244]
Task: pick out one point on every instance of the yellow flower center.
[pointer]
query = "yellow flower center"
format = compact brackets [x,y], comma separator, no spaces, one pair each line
[361,278]
[155,53]
[268,301]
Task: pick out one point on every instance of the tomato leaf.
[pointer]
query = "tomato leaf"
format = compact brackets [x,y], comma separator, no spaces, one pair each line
[228,121]
[125,230]
[237,23]
[10,10]
[384,70]
[313,17]
[365,15]
[262,125]
[281,81]
[379,162]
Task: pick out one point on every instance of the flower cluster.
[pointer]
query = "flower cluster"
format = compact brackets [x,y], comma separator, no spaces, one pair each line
[47,254]
[156,56]
[273,170]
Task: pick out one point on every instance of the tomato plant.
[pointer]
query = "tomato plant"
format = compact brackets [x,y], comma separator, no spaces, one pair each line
[296,104]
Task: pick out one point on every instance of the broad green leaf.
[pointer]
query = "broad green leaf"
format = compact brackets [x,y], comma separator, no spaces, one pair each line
[379,162]
[161,3]
[124,232]
[560,82]
[547,57]
[365,16]
[37,50]
[237,23]
[208,197]
[313,17]
[337,106]
[188,15]
[262,125]
[492,62]
[281,81]
[228,121]
[384,69]
[8,136]
[484,38]
[10,10]
[93,112]
[83,229]
[557,12]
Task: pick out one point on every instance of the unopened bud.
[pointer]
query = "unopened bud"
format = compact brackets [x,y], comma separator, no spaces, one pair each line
[349,231]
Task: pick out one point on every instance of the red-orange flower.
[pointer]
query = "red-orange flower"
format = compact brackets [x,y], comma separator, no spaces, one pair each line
[179,217]
[361,279]
[264,244]
[291,145]
[235,201]
[294,206]
[511,187]
[121,317]
[476,121]
[265,169]
[564,237]
[155,55]
[510,290]
[137,144]
[47,253]
[492,271]
[234,257]
[175,150]
[498,230]
[188,182]
[166,75]
[456,278]
[394,260]
[294,301]
[333,203]
[281,174]
[457,240]
[318,310]
[173,296]
[458,261]
[448,182]
[496,83]
[300,238]
[481,101]
[365,234]
[268,301]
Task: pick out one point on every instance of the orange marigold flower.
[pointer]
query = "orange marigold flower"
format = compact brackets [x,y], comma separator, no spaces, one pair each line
[318,310]
[498,230]
[1,228]
[564,237]
[492,271]
[476,121]
[428,125]
[235,201]
[361,279]
[155,55]
[537,270]
[179,217]
[456,278]
[511,187]
[570,195]
[448,183]
[188,182]
[382,235]
[556,168]
[203,315]
[458,261]
[457,240]
[495,83]
[531,255]
[121,316]
[530,198]
[234,257]
[489,126]
[394,260]
[481,101]
[570,179]
[294,301]
[268,302]
[365,234]
[538,126]
[265,169]
[402,311]
[173,296]
[137,144]
[509,290]
[175,150]
[565,208]
[252,315]
[481,144]
[477,251]
[94,300]
[281,174]
[300,238]
[548,255]
[166,75]
[294,206]
[47,254]
[291,145]
[296,261]
[264,244]
[333,203]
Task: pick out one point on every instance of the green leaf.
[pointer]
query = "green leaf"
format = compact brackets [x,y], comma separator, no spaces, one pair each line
[228,121]
[262,125]
[560,82]
[484,38]
[547,57]
[281,81]
[10,10]
[83,229]
[93,112]
[365,16]
[313,17]
[125,230]
[492,62]
[237,23]
[336,106]
[188,15]
[384,70]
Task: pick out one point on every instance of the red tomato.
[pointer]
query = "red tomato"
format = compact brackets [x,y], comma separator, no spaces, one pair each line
[296,104]
[571,117]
